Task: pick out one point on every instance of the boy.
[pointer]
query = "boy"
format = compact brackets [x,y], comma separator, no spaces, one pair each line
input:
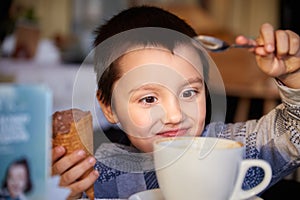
[153,82]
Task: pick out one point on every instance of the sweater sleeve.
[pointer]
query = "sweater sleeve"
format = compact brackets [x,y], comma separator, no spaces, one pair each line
[274,137]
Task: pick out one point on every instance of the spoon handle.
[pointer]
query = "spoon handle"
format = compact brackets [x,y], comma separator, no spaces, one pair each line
[245,46]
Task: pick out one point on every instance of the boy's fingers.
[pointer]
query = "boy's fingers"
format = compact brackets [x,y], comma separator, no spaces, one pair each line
[294,42]
[77,171]
[68,161]
[84,184]
[282,44]
[244,40]
[57,152]
[241,40]
[267,37]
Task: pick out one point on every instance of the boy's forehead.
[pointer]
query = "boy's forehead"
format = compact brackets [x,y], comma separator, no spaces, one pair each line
[155,74]
[181,57]
[110,50]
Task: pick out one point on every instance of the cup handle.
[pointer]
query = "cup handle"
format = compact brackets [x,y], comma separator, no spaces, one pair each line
[238,193]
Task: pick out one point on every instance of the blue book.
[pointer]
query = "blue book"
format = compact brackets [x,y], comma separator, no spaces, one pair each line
[25,140]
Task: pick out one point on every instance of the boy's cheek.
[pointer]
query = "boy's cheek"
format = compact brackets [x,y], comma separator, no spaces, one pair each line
[137,118]
[143,118]
[196,109]
[136,123]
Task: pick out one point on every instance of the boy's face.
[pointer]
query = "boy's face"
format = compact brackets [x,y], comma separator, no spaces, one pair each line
[160,94]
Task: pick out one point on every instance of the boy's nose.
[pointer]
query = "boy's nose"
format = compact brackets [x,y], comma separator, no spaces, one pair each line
[173,112]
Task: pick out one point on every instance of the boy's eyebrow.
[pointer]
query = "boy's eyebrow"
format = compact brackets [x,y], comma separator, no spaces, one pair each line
[194,80]
[151,86]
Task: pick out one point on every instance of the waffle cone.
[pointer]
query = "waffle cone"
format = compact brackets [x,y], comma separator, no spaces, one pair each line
[80,136]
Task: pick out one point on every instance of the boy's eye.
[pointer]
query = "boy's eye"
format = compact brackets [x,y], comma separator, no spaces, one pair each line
[148,100]
[188,93]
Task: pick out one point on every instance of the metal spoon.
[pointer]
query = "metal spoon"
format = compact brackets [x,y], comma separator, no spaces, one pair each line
[217,45]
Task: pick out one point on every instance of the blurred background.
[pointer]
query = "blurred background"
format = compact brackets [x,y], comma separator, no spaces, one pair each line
[70,23]
[45,42]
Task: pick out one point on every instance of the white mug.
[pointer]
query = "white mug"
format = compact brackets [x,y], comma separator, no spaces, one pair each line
[205,168]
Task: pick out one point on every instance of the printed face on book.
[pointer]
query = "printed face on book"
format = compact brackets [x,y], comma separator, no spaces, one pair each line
[160,94]
[17,180]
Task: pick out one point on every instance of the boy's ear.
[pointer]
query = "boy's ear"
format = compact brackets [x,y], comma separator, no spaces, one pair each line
[107,111]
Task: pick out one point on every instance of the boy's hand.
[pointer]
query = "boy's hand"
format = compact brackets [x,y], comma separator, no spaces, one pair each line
[70,168]
[278,54]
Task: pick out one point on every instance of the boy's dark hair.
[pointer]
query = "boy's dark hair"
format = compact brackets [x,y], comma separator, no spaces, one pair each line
[23,162]
[134,18]
[142,16]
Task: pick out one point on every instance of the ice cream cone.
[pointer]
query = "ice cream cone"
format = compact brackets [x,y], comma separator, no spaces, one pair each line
[73,129]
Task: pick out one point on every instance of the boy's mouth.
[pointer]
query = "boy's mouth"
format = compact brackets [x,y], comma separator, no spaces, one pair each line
[173,133]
